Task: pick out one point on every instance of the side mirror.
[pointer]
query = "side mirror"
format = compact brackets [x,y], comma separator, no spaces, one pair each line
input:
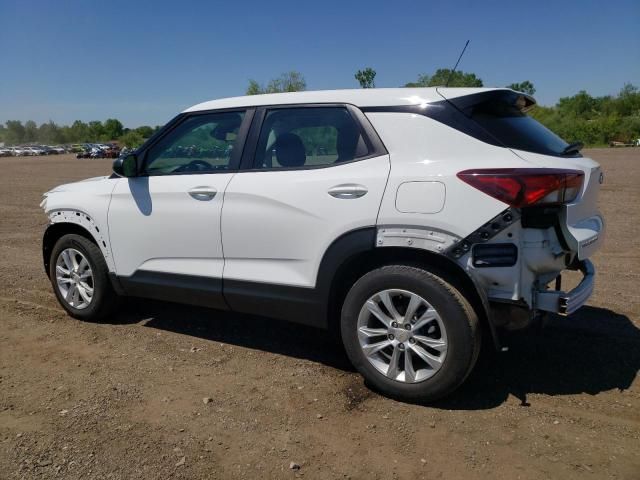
[126,166]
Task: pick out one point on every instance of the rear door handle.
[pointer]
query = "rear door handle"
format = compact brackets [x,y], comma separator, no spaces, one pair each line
[202,193]
[348,190]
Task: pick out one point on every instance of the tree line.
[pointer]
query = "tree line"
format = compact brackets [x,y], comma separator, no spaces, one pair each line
[581,117]
[14,132]
[594,120]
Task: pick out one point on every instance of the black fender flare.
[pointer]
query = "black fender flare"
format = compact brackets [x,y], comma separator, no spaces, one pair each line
[356,251]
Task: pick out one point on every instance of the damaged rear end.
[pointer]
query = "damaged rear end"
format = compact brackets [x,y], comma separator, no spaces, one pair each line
[551,221]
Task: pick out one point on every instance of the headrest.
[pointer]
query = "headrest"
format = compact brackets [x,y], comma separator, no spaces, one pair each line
[290,150]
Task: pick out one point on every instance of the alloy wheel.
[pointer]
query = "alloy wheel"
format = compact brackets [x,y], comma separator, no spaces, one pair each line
[402,335]
[74,278]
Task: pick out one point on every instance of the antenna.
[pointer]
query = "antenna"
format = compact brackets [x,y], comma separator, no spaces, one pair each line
[456,65]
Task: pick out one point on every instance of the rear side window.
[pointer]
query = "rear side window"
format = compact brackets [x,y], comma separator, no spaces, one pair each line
[308,137]
[514,129]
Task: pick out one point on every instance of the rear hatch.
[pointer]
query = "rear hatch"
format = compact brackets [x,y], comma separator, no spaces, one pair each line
[499,118]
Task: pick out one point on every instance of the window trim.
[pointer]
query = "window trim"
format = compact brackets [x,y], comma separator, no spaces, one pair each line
[172,125]
[374,145]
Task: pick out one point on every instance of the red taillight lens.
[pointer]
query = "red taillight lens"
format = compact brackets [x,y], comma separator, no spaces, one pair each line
[524,187]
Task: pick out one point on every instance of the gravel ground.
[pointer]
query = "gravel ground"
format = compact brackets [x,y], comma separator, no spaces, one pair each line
[165,391]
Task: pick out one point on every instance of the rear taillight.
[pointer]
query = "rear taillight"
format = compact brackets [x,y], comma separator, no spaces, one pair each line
[524,187]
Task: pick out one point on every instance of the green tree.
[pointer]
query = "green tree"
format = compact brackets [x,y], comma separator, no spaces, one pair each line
[628,100]
[144,131]
[79,132]
[524,87]
[254,88]
[442,75]
[287,82]
[112,129]
[366,77]
[30,131]
[594,120]
[15,132]
[581,105]
[96,131]
[131,139]
[49,133]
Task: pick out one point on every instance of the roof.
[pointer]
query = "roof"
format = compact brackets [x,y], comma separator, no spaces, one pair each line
[363,97]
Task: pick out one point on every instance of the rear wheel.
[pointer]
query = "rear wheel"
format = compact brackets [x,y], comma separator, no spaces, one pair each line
[409,333]
[80,278]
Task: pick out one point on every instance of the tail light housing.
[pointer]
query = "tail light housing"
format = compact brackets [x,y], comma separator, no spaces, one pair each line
[526,187]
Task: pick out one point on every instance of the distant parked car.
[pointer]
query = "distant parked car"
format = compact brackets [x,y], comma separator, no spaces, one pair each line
[83,153]
[97,152]
[20,151]
[6,152]
[34,151]
[77,148]
[47,150]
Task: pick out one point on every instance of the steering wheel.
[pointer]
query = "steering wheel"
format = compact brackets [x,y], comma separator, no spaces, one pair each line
[195,166]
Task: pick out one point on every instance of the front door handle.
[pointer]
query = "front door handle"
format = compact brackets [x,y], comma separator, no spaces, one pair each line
[348,190]
[203,193]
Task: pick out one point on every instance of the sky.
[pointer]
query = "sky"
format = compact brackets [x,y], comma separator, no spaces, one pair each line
[144,61]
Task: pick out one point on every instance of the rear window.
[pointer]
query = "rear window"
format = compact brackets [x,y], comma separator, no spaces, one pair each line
[514,129]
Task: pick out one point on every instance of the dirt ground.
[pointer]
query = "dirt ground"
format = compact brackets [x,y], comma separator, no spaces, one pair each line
[124,399]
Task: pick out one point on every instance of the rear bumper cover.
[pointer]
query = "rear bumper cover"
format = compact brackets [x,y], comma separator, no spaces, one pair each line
[565,303]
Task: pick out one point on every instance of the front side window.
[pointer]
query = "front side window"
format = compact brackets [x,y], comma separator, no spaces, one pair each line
[200,144]
[307,137]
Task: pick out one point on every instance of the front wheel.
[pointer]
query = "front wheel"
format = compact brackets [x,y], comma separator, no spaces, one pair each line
[80,279]
[410,334]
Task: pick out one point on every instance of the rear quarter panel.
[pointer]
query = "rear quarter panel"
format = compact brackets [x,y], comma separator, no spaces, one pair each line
[423,149]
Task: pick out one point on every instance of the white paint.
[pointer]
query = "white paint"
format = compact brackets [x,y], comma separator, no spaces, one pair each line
[420,197]
[429,151]
[154,224]
[277,225]
[90,198]
[364,97]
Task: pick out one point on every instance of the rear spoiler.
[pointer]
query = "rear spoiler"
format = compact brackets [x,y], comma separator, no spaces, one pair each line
[464,103]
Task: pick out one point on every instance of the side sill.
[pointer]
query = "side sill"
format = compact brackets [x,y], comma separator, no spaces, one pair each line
[188,289]
[294,304]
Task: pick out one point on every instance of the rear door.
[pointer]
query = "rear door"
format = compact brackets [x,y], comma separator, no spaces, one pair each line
[315,173]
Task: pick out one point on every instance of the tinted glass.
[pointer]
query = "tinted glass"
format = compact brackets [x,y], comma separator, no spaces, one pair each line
[305,137]
[515,129]
[202,143]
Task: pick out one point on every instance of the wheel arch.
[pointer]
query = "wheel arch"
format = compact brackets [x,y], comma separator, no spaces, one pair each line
[81,225]
[354,254]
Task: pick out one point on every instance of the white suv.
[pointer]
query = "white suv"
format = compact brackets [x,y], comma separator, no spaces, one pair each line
[408,220]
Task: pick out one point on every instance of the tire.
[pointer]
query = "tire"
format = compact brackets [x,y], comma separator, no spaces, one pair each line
[104,301]
[453,332]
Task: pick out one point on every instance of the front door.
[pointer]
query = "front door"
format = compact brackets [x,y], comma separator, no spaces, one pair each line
[164,225]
